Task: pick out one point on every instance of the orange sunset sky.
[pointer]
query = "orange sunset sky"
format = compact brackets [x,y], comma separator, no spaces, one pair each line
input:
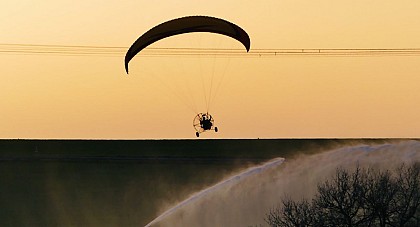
[44,95]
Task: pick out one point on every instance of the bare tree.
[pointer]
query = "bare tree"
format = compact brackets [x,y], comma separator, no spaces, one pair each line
[292,214]
[363,197]
[341,199]
[405,207]
[379,195]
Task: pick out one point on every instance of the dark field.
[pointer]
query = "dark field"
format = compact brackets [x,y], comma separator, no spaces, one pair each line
[122,183]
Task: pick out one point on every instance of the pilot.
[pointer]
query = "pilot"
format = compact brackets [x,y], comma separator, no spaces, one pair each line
[206,122]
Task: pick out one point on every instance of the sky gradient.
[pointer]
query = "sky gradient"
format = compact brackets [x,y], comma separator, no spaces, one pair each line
[91,97]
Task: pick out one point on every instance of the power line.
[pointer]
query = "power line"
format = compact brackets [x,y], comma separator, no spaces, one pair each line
[118,51]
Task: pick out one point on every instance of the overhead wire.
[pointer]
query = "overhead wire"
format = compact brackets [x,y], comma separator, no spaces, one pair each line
[118,51]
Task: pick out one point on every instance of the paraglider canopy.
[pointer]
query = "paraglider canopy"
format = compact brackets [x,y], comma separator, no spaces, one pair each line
[186,25]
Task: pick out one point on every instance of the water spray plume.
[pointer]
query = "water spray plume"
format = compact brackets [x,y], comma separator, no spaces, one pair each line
[230,181]
[244,199]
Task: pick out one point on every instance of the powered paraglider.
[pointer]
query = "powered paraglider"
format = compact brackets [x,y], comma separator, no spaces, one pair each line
[203,121]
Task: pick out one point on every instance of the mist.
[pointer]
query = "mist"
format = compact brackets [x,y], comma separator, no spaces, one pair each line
[246,200]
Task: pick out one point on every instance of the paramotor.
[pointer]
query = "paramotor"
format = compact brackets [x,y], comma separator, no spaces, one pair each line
[202,121]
